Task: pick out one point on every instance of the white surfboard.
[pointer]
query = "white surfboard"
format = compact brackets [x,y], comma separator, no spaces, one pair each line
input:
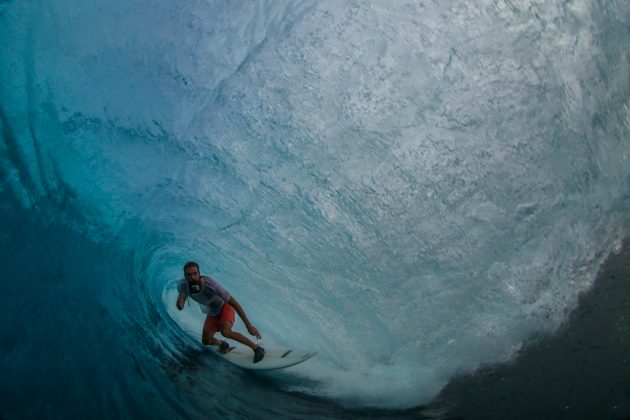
[274,358]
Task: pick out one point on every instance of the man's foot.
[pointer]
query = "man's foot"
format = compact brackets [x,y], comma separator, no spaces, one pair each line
[224,347]
[259,353]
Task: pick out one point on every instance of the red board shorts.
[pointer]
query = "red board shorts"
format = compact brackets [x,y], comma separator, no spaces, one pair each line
[213,323]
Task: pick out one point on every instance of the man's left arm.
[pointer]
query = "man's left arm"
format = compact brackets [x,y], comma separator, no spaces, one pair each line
[181,299]
[239,310]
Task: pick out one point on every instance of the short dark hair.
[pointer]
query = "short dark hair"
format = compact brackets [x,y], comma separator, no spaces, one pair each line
[191,264]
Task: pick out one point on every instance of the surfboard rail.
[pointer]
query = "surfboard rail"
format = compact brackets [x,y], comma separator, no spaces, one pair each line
[274,358]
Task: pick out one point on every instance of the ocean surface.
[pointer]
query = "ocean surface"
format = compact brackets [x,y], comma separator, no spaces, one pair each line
[434,196]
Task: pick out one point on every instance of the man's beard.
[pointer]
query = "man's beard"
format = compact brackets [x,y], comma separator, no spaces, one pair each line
[195,287]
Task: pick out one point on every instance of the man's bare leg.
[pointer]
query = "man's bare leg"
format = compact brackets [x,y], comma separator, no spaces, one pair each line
[226,331]
[209,340]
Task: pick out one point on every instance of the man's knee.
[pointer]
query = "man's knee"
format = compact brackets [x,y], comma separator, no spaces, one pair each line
[226,331]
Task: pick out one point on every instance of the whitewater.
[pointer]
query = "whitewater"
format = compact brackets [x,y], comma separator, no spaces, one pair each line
[413,189]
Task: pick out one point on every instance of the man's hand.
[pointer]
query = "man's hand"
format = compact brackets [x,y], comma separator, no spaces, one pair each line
[253,331]
[181,299]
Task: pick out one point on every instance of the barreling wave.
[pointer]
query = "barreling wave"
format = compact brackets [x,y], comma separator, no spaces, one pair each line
[412,190]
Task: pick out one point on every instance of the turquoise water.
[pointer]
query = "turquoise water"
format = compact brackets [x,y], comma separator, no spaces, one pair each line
[413,190]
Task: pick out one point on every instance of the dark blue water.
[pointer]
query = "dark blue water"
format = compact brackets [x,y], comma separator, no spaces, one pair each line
[416,191]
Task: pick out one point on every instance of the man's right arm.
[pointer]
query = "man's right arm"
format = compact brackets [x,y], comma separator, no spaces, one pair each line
[181,299]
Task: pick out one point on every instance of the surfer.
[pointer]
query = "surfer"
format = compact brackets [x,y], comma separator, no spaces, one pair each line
[212,297]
